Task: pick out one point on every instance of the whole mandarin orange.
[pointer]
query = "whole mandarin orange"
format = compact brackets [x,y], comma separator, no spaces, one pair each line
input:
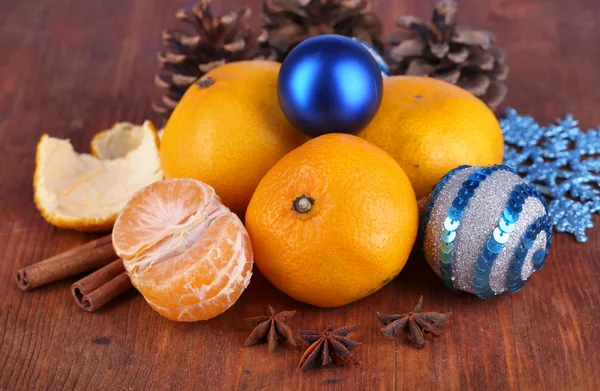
[228,131]
[333,221]
[430,127]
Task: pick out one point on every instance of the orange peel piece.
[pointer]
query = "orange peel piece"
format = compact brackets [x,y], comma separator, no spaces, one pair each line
[86,192]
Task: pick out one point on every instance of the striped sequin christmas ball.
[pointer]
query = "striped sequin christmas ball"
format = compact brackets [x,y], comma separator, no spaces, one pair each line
[485,230]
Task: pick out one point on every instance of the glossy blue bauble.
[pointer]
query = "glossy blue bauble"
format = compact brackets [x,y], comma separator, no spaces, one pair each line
[330,84]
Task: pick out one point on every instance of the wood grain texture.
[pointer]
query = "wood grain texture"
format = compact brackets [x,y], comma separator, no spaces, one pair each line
[71,68]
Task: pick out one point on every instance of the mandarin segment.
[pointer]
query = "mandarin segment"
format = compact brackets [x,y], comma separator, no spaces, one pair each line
[187,253]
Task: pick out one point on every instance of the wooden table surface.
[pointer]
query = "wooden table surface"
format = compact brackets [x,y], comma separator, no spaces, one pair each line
[71,68]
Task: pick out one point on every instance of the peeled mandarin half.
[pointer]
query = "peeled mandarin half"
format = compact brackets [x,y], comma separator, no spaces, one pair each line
[187,253]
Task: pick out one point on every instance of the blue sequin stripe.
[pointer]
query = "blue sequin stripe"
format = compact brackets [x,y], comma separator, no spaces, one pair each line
[542,223]
[501,235]
[433,198]
[455,213]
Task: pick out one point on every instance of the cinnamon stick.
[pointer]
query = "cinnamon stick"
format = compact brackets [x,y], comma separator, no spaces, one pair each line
[97,289]
[86,257]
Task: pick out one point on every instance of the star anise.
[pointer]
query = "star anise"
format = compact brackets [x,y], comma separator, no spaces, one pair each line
[418,324]
[271,328]
[329,346]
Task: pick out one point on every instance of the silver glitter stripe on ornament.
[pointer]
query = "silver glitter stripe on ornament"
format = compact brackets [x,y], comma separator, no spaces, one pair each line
[501,235]
[543,226]
[452,221]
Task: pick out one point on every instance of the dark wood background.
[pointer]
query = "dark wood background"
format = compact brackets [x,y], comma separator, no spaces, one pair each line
[72,67]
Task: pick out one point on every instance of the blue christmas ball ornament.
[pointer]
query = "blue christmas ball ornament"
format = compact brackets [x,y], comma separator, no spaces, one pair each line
[330,84]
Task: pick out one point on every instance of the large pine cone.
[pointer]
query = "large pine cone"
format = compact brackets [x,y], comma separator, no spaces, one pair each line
[289,22]
[457,54]
[210,42]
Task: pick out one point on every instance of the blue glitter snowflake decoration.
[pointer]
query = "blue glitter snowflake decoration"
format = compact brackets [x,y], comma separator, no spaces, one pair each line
[562,162]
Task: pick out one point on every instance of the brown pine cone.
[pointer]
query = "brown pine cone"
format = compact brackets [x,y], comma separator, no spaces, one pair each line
[289,22]
[457,54]
[209,42]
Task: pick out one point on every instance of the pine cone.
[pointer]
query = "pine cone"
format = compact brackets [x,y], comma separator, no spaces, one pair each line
[289,22]
[212,42]
[457,54]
